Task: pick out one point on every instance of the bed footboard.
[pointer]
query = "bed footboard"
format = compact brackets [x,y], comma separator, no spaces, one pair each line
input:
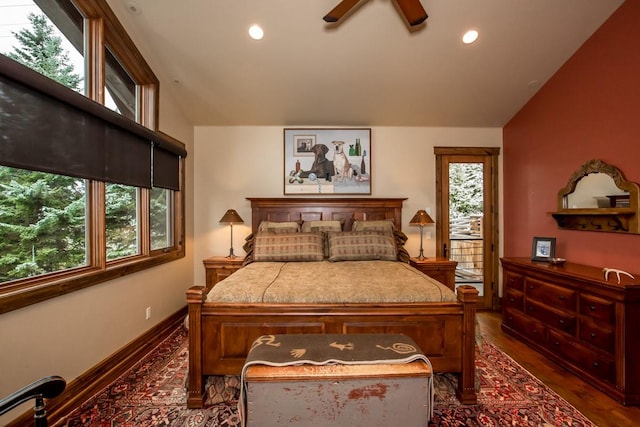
[220,335]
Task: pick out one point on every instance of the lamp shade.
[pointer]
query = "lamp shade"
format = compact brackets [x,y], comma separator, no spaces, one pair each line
[231,217]
[421,218]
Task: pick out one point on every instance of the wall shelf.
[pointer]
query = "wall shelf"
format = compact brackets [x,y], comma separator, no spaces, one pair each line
[617,220]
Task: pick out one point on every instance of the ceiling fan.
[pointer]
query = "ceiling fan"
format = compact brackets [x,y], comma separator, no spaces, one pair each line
[411,9]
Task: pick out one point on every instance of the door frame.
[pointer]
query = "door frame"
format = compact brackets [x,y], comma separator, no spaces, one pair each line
[490,221]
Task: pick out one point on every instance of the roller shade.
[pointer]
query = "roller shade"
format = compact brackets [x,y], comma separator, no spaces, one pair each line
[47,127]
[166,169]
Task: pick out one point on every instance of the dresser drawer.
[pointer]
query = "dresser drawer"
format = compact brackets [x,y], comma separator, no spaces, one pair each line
[589,360]
[534,330]
[550,294]
[550,316]
[597,308]
[513,299]
[514,281]
[596,335]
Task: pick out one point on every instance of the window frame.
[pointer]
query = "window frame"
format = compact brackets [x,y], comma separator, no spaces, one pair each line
[102,30]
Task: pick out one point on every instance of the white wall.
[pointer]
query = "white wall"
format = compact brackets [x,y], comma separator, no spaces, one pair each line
[232,163]
[70,334]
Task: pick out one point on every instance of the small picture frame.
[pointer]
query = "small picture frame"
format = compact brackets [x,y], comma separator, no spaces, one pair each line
[544,249]
[303,144]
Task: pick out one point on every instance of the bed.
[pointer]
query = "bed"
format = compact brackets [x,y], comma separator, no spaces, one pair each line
[221,331]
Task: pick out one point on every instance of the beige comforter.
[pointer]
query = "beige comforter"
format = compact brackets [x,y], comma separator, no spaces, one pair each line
[329,282]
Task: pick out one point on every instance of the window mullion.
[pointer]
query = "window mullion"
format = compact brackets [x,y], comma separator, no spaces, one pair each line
[97,224]
[94,59]
[144,227]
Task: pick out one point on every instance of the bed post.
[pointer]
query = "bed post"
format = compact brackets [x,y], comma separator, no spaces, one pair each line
[195,387]
[466,392]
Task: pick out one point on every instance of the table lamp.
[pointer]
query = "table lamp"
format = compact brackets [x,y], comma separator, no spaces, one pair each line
[421,218]
[231,217]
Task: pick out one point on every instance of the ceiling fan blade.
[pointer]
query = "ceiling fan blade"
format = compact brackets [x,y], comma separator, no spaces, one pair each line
[340,10]
[413,11]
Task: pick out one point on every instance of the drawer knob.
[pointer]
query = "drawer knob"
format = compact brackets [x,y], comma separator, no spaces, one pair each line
[593,334]
[562,321]
[596,365]
[561,297]
[556,343]
[592,307]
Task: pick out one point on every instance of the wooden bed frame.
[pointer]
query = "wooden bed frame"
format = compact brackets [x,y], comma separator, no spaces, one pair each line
[220,334]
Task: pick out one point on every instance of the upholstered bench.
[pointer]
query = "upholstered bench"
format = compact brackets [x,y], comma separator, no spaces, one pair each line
[339,380]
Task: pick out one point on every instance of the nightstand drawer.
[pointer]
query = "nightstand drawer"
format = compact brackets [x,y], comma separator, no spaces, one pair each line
[438,268]
[217,268]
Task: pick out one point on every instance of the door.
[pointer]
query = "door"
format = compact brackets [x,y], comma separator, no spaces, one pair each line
[467,217]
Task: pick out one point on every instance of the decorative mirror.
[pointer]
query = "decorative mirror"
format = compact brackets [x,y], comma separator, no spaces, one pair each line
[598,198]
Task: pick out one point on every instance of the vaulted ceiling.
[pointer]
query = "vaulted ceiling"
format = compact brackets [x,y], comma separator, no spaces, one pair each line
[369,69]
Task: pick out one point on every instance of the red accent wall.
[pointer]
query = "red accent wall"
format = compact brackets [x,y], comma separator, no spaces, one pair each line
[590,109]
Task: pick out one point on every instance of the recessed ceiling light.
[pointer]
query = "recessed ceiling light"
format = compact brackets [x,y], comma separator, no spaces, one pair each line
[470,36]
[256,32]
[133,8]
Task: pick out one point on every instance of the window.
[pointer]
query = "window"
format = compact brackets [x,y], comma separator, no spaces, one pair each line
[43,221]
[52,48]
[121,220]
[98,194]
[161,218]
[120,89]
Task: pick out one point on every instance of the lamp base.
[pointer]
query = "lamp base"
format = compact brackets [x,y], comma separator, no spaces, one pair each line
[231,254]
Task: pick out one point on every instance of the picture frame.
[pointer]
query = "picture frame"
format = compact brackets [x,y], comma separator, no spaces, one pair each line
[543,249]
[327,161]
[303,145]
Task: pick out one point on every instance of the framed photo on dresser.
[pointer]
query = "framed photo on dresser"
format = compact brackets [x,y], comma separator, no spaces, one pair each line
[544,248]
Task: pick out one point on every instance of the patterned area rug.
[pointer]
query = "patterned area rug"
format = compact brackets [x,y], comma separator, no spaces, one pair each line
[153,394]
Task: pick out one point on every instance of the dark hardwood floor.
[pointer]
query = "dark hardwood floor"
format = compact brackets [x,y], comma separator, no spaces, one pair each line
[597,406]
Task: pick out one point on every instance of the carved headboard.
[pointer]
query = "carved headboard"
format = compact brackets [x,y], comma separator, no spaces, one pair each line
[314,209]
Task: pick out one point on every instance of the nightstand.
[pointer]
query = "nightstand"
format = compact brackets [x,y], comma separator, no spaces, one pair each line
[441,269]
[219,267]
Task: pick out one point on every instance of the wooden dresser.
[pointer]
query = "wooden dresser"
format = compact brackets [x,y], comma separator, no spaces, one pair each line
[572,315]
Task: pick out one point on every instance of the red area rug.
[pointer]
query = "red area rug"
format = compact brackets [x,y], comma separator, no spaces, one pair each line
[153,394]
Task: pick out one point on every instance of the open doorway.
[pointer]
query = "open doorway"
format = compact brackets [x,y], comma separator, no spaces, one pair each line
[467,217]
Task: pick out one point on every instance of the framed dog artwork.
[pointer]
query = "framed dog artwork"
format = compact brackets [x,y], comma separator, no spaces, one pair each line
[327,161]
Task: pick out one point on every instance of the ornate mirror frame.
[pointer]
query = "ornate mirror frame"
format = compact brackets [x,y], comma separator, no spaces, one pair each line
[610,219]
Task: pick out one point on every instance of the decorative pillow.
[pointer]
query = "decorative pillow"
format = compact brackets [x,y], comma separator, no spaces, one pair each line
[288,247]
[362,246]
[322,226]
[329,225]
[380,225]
[279,227]
[401,239]
[248,248]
